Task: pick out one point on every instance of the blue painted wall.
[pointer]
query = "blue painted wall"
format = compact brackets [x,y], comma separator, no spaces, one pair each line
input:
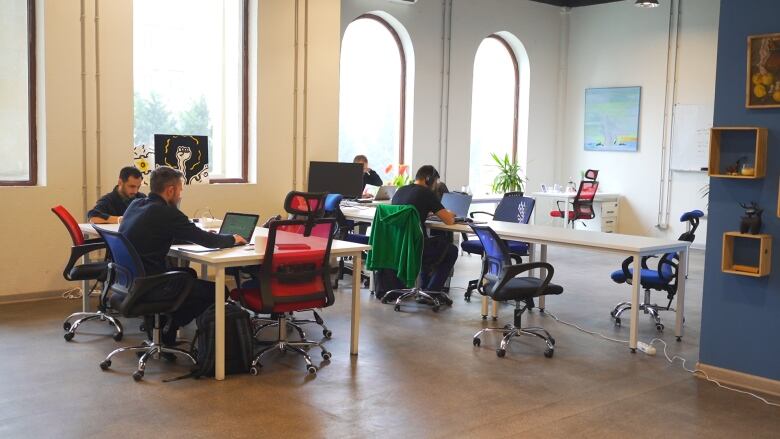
[741,315]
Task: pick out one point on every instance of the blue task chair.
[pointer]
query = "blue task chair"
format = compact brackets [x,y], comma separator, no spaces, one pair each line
[500,282]
[135,294]
[513,208]
[661,278]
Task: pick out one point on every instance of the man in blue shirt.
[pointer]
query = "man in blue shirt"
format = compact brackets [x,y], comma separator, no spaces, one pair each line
[111,206]
[153,223]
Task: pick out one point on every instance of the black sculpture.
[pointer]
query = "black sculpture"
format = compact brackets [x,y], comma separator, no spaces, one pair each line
[751,222]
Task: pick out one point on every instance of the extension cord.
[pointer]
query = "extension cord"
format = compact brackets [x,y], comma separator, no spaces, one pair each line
[646,348]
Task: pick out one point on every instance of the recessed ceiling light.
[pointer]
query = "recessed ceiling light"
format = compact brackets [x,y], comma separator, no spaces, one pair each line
[646,3]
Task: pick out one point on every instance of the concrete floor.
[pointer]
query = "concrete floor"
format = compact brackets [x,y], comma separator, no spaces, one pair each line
[417,375]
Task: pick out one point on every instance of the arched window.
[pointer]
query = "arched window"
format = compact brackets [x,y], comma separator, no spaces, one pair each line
[494,110]
[372,94]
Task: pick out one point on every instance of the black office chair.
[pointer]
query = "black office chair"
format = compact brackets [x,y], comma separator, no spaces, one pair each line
[661,278]
[513,208]
[135,294]
[500,282]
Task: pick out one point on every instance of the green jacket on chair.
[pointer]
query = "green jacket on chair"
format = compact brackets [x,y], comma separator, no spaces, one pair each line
[396,242]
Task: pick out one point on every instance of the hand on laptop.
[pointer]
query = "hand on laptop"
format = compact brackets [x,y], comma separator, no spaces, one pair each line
[239,240]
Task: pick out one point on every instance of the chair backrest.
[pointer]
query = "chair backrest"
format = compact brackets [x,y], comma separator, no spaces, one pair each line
[305,203]
[296,270]
[591,174]
[332,203]
[693,218]
[496,255]
[70,223]
[123,253]
[582,205]
[515,208]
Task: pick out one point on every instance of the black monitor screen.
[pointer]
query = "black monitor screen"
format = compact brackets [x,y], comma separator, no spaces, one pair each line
[336,178]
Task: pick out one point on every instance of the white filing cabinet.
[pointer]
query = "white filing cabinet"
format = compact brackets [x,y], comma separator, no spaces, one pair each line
[606,219]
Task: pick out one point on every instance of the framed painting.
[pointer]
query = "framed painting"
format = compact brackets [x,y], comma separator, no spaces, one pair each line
[612,119]
[763,71]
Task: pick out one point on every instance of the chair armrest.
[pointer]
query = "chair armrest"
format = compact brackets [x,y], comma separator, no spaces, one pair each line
[558,203]
[668,259]
[644,261]
[77,251]
[172,285]
[513,270]
[471,215]
[517,258]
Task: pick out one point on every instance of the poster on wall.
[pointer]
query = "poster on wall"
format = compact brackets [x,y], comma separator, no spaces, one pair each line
[612,119]
[143,157]
[763,71]
[188,154]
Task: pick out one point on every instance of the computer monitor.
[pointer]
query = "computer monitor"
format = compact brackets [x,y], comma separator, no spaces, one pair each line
[336,178]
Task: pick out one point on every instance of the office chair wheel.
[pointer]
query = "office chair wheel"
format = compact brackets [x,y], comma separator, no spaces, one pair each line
[612,313]
[501,352]
[548,353]
[476,342]
[436,308]
[397,307]
[254,370]
[617,321]
[105,364]
[679,338]
[142,327]
[326,355]
[68,336]
[552,341]
[138,375]
[327,333]
[118,336]
[467,296]
[66,326]
[312,369]
[366,283]
[659,327]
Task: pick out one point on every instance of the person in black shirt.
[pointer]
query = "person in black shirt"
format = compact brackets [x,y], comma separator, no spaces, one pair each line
[439,255]
[111,206]
[152,224]
[369,175]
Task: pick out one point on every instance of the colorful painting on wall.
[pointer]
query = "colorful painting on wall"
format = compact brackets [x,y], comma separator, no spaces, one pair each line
[763,71]
[612,119]
[189,154]
[143,157]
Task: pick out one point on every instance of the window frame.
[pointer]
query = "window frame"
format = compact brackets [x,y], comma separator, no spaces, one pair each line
[402,55]
[516,66]
[32,145]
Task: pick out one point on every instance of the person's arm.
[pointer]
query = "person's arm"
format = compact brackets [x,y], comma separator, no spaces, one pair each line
[373,178]
[184,230]
[446,216]
[100,220]
[100,213]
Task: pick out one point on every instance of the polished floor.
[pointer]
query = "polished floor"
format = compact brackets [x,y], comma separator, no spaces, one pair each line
[417,375]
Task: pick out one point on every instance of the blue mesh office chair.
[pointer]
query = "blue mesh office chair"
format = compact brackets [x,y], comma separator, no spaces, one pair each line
[500,282]
[661,278]
[513,208]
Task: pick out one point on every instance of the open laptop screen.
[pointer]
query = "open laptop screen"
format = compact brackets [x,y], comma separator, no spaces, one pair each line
[242,224]
[457,203]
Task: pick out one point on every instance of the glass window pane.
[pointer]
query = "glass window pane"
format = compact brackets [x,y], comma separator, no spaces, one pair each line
[492,112]
[187,73]
[370,95]
[14,88]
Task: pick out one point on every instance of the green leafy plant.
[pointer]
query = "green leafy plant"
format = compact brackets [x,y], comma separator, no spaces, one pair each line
[402,179]
[508,178]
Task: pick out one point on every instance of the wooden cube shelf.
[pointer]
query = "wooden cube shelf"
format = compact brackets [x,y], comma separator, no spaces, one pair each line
[728,144]
[762,263]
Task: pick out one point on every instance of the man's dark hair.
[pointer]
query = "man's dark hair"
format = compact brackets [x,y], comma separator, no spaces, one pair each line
[129,171]
[427,173]
[163,177]
[360,158]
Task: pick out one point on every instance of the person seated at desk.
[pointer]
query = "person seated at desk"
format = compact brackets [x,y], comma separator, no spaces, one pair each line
[439,255]
[152,224]
[369,175]
[111,206]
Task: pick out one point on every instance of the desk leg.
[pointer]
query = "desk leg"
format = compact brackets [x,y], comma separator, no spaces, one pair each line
[681,281]
[355,322]
[485,307]
[204,271]
[636,285]
[542,272]
[219,324]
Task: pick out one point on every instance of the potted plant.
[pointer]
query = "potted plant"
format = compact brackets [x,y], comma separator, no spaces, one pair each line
[508,178]
[402,179]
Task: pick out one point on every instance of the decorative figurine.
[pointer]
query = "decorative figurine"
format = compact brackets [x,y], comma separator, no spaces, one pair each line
[751,222]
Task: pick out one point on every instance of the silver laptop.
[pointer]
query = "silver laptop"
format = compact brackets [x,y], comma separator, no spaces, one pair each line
[385,193]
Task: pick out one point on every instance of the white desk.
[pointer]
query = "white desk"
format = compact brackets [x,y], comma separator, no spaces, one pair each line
[239,256]
[568,197]
[542,236]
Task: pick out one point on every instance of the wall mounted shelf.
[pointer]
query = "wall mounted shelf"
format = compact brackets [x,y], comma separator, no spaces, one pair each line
[747,255]
[729,144]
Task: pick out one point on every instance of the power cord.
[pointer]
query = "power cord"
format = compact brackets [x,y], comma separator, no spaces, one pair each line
[668,358]
[77,292]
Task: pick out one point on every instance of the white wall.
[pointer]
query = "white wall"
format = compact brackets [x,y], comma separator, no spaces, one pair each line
[39,242]
[620,45]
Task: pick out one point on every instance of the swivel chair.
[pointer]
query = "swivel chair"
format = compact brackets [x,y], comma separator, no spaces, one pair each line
[582,205]
[294,276]
[95,271]
[661,278]
[135,294]
[500,282]
[513,208]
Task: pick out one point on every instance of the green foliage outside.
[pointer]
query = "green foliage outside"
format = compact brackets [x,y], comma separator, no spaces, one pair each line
[153,117]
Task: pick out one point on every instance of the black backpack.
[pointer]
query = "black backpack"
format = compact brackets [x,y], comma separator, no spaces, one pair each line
[239,343]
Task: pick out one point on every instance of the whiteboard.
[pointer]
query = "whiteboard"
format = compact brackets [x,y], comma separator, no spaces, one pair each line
[691,136]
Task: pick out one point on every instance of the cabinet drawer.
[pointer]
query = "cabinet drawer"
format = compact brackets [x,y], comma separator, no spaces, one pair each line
[609,224]
[609,209]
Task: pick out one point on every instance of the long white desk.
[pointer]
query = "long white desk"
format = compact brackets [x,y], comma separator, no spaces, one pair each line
[252,255]
[542,236]
[568,197]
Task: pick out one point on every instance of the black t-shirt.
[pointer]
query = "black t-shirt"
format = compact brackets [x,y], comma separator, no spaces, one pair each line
[372,178]
[422,198]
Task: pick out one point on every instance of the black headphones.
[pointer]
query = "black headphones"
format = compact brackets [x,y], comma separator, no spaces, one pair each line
[431,177]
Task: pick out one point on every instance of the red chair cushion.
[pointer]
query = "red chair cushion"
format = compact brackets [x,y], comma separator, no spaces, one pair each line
[559,214]
[252,299]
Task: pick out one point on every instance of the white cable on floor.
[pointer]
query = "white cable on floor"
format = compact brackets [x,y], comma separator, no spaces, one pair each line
[670,359]
[73,293]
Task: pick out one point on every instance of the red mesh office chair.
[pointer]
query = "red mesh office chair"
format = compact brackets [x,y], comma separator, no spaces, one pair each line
[582,205]
[92,271]
[294,276]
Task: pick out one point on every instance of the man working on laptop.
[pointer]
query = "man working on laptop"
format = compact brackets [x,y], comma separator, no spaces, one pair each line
[152,224]
[111,206]
[439,256]
[369,175]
